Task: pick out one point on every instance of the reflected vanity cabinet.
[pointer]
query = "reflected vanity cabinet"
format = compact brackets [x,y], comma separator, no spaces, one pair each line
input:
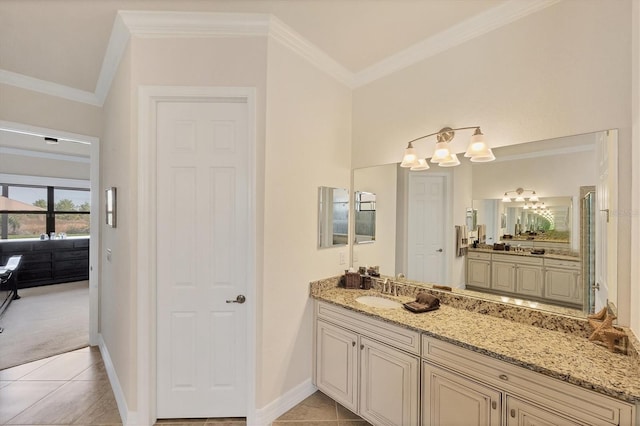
[455,390]
[479,269]
[369,366]
[526,276]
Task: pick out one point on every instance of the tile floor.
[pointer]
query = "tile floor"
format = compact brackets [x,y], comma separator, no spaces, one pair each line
[73,389]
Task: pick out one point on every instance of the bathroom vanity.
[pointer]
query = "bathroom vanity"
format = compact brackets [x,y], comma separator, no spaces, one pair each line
[546,278]
[457,366]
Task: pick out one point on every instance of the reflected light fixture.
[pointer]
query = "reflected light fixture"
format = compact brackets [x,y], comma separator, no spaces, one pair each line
[520,195]
[478,151]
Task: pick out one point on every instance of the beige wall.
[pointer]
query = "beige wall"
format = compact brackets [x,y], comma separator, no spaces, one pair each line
[301,114]
[117,283]
[307,146]
[554,73]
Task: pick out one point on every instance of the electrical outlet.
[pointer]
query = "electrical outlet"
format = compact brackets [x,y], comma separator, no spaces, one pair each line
[342,258]
[108,255]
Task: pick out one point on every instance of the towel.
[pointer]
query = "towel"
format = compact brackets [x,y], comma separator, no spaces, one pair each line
[462,240]
[424,302]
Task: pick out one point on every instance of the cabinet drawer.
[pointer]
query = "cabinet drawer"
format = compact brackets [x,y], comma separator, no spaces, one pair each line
[587,406]
[398,337]
[557,263]
[528,260]
[481,256]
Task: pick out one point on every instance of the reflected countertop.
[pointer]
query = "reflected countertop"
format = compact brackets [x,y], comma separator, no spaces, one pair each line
[561,355]
[526,253]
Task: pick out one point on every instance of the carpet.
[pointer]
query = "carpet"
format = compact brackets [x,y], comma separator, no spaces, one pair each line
[46,321]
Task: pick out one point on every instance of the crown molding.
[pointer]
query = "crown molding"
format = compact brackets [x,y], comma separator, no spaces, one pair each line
[194,24]
[288,37]
[492,19]
[48,88]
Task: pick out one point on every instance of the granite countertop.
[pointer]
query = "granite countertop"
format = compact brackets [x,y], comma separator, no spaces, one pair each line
[573,359]
[528,254]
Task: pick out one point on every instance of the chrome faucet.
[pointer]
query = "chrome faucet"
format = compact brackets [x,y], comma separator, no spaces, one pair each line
[386,286]
[389,287]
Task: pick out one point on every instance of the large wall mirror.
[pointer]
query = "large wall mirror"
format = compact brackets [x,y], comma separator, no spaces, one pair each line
[557,170]
[333,217]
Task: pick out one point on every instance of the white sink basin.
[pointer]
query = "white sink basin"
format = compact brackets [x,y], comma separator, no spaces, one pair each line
[378,302]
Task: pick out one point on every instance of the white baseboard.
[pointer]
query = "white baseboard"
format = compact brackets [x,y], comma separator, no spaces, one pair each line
[276,408]
[129,418]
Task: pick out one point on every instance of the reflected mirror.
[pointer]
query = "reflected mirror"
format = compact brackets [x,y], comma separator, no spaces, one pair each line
[547,222]
[333,217]
[556,169]
[365,217]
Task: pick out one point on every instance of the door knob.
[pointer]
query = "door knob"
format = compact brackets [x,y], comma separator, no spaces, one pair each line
[240,299]
[439,250]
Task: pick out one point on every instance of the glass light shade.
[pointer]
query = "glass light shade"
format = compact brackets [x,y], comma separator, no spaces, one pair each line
[450,161]
[483,158]
[526,207]
[534,197]
[477,146]
[410,158]
[441,153]
[422,165]
[520,198]
[506,198]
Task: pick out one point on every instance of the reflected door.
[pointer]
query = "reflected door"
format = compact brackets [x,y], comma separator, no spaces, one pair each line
[425,239]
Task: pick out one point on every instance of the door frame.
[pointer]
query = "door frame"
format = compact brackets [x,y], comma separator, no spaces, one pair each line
[95,217]
[146,255]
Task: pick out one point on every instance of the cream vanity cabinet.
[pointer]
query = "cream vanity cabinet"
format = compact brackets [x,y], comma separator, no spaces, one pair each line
[563,281]
[479,269]
[369,366]
[517,274]
[462,387]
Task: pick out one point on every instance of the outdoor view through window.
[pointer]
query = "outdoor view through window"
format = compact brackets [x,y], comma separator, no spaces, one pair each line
[30,211]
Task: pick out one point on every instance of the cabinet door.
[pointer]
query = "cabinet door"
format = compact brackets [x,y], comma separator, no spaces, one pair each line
[453,400]
[389,388]
[520,413]
[503,276]
[479,273]
[337,364]
[529,280]
[563,285]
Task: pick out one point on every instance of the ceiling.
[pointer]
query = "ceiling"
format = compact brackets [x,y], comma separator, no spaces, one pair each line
[62,47]
[64,41]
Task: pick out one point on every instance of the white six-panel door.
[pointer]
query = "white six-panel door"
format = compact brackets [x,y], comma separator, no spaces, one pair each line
[202,243]
[426,232]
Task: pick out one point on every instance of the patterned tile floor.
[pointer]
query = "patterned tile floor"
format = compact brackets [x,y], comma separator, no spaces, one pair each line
[73,389]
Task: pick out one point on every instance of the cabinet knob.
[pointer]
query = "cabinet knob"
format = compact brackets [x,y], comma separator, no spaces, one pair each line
[353,343]
[361,347]
[513,413]
[503,377]
[494,405]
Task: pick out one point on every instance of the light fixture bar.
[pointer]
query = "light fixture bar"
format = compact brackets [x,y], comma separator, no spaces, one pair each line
[477,151]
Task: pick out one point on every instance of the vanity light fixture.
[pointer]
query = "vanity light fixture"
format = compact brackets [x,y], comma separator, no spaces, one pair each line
[478,151]
[520,195]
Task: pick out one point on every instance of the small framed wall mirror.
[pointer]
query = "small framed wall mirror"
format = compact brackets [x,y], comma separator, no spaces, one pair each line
[333,217]
[110,206]
[365,217]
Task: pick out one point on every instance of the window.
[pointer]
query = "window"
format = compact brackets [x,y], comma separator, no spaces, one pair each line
[28,211]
